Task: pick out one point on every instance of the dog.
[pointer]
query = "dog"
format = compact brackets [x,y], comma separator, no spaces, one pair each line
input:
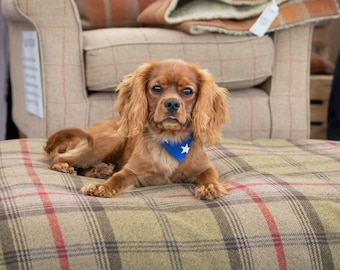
[168,111]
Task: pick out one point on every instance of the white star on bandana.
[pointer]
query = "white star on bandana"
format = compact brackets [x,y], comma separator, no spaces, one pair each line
[185,149]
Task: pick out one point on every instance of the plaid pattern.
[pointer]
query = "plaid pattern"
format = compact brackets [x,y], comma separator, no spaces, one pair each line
[108,61]
[110,13]
[282,213]
[231,17]
[279,108]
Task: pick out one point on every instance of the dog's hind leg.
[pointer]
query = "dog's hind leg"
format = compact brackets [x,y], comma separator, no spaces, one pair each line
[101,171]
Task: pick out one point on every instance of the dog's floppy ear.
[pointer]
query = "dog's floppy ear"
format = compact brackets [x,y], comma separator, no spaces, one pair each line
[132,103]
[210,110]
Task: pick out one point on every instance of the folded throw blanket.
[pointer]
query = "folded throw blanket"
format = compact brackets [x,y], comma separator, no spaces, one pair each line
[233,16]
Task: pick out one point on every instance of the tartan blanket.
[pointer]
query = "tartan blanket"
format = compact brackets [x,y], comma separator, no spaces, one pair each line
[233,16]
[283,212]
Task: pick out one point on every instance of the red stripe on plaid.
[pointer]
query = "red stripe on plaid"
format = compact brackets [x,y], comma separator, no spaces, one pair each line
[290,86]
[280,253]
[238,186]
[33,194]
[333,143]
[178,196]
[27,5]
[47,204]
[63,76]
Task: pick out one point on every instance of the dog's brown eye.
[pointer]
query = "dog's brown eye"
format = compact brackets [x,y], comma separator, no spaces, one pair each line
[187,91]
[157,89]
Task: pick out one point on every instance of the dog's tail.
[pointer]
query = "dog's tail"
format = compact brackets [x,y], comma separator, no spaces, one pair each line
[70,145]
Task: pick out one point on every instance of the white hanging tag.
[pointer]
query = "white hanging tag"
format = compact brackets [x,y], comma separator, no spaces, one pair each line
[265,20]
[32,73]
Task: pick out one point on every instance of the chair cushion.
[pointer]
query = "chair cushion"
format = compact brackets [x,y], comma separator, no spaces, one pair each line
[236,62]
[249,112]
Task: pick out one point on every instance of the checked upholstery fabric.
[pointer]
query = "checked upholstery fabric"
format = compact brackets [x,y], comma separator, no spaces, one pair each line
[282,213]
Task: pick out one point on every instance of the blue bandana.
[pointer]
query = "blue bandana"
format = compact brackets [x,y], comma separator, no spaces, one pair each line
[178,150]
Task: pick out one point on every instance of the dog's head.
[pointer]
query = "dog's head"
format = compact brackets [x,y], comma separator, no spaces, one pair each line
[172,98]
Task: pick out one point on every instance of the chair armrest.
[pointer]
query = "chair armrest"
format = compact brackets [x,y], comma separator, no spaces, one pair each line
[61,62]
[289,86]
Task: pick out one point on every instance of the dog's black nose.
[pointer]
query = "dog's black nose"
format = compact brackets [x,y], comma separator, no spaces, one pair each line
[172,105]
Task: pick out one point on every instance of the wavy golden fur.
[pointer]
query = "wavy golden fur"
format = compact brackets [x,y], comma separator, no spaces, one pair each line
[161,101]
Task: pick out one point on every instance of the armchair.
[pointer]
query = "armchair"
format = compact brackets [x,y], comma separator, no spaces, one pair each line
[268,77]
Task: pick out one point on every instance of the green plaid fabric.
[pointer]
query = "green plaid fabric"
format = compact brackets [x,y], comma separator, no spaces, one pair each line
[283,212]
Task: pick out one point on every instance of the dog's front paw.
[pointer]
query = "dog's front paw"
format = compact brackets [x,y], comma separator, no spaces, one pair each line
[63,167]
[98,190]
[211,191]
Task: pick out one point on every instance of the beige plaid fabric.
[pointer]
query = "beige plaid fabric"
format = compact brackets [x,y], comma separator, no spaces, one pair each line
[282,212]
[108,60]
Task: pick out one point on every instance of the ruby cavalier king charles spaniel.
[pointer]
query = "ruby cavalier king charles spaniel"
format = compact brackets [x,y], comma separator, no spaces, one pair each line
[168,111]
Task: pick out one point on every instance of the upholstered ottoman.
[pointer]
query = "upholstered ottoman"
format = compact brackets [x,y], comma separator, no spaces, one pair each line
[283,212]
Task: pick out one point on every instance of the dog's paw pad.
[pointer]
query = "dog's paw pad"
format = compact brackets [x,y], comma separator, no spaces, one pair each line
[98,191]
[211,191]
[63,167]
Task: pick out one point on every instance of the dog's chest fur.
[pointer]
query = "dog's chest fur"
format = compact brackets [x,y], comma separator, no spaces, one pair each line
[158,166]
[162,160]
